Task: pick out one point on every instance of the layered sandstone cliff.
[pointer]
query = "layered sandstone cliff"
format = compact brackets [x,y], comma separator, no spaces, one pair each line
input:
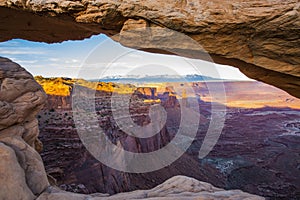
[259,37]
[21,169]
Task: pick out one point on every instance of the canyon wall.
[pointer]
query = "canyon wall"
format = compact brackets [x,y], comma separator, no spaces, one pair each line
[259,37]
[21,168]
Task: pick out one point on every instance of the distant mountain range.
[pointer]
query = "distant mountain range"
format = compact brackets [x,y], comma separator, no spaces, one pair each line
[156,78]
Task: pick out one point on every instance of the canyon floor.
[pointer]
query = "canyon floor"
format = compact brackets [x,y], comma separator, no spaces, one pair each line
[257,152]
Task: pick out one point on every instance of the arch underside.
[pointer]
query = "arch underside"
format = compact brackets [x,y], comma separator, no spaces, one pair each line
[264,45]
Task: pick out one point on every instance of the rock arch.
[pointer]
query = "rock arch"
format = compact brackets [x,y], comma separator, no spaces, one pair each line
[261,38]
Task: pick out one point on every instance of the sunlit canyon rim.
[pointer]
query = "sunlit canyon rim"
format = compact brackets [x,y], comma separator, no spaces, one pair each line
[258,151]
[22,169]
[260,137]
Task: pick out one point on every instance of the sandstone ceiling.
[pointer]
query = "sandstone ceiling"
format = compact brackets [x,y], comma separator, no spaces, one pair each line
[260,37]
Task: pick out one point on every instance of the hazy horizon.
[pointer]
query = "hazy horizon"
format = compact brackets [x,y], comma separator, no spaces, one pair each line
[66,60]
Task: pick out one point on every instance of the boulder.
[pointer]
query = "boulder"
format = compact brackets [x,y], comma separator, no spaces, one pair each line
[22,171]
[176,188]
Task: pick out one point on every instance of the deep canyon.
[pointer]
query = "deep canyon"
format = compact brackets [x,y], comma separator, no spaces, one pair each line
[258,151]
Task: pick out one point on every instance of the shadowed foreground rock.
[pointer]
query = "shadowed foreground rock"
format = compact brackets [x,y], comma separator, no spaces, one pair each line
[261,38]
[21,168]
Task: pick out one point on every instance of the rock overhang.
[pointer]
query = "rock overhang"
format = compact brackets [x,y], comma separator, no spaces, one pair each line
[261,38]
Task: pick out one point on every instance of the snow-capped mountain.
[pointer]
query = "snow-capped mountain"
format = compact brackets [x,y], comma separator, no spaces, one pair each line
[156,78]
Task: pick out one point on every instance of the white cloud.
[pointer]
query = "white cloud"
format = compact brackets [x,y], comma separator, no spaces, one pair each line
[54,60]
[135,55]
[26,61]
[71,61]
[20,52]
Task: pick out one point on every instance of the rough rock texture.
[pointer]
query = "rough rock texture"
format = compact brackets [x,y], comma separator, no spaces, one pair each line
[261,37]
[266,165]
[21,168]
[12,176]
[176,188]
[60,102]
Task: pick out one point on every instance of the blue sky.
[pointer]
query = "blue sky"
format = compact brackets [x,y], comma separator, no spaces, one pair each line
[72,59]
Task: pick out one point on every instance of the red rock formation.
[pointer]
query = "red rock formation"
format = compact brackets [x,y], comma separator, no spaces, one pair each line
[59,102]
[149,92]
[236,156]
[21,168]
